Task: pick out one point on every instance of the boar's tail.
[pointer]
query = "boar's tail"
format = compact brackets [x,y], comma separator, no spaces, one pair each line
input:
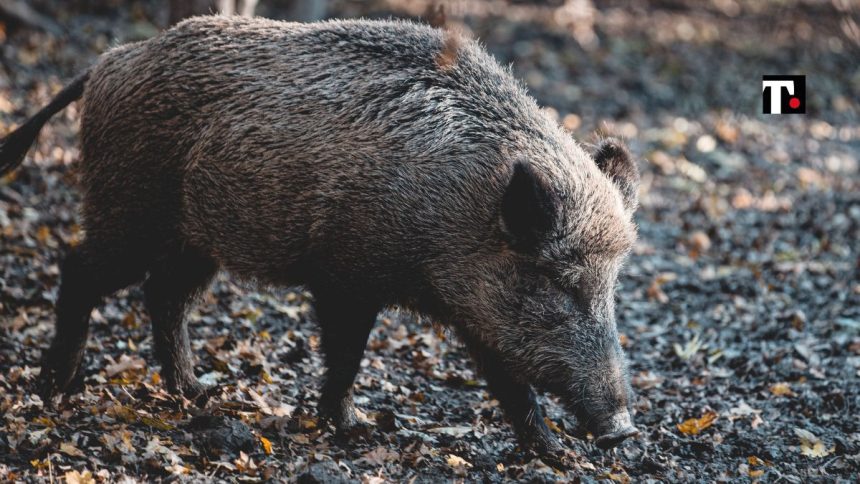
[14,146]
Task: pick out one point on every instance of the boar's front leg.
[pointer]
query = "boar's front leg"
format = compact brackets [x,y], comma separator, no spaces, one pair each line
[345,321]
[519,403]
[168,290]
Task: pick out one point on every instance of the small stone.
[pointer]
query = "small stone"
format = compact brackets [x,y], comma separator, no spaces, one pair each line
[326,472]
[706,143]
[217,435]
[699,243]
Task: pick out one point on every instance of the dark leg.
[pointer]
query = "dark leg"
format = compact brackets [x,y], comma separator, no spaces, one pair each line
[346,322]
[518,401]
[88,274]
[171,286]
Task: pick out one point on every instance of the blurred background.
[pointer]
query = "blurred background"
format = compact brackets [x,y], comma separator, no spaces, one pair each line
[739,309]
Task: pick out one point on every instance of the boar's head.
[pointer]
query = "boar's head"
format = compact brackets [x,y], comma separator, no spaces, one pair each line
[543,299]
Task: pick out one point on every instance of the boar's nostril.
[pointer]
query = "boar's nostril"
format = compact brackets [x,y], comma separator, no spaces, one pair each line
[617,429]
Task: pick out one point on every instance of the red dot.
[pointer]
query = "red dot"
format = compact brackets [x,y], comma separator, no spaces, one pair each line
[794,103]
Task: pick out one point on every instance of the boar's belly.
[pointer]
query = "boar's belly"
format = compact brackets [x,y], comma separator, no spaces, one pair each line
[254,226]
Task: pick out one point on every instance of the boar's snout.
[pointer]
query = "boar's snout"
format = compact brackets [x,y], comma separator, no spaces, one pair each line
[614,430]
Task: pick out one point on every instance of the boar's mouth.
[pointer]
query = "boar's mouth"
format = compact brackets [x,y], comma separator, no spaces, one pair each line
[609,431]
[614,430]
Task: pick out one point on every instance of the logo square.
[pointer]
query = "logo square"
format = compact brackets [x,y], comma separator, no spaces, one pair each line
[783,94]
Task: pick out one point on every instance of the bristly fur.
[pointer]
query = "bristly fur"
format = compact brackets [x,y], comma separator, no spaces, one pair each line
[369,160]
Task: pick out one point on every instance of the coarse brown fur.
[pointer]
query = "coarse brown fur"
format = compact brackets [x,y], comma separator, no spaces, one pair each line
[343,156]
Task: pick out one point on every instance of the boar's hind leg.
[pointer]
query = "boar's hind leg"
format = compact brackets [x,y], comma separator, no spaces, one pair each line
[171,285]
[88,274]
[346,323]
[518,401]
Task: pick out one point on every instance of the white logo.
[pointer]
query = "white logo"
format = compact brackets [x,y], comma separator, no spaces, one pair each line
[773,99]
[776,93]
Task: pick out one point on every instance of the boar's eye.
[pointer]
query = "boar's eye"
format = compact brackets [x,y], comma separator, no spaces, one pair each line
[529,208]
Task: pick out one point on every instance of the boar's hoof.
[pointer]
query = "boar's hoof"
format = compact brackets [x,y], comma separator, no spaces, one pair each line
[54,381]
[357,431]
[343,417]
[191,389]
[197,392]
[548,449]
[617,429]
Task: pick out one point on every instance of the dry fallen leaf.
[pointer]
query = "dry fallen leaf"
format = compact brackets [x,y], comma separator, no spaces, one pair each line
[655,291]
[70,449]
[123,413]
[699,243]
[812,446]
[782,390]
[244,463]
[689,349]
[309,423]
[124,364]
[552,425]
[129,321]
[457,461]
[617,474]
[267,445]
[452,431]
[75,477]
[754,461]
[44,421]
[694,426]
[155,423]
[379,456]
[43,234]
[647,379]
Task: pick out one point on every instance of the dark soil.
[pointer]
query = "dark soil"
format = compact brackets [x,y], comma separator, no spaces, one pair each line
[740,307]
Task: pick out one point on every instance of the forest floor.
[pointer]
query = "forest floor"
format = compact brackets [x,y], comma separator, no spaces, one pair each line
[740,308]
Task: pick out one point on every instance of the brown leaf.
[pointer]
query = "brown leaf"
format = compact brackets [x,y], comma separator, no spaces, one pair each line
[75,477]
[812,446]
[43,234]
[124,364]
[782,390]
[69,449]
[123,413]
[694,426]
[699,243]
[552,425]
[617,474]
[267,445]
[457,462]
[655,291]
[155,423]
[379,456]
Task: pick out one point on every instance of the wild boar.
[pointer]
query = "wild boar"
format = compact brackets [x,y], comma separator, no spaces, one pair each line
[378,163]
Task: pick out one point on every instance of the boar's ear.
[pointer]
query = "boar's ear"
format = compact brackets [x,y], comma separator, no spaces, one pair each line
[529,208]
[613,159]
